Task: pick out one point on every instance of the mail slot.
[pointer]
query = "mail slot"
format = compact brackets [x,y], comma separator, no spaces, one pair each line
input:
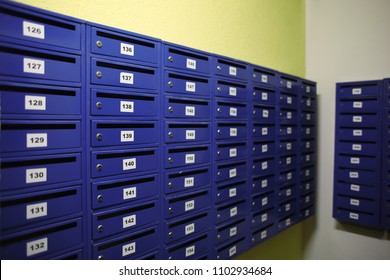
[358,134]
[359,217]
[356,189]
[288,176]
[358,175]
[122,44]
[26,209]
[353,161]
[308,88]
[189,249]
[187,84]
[308,131]
[231,230]
[264,95]
[287,221]
[33,25]
[231,151]
[230,89]
[288,100]
[32,171]
[286,162]
[229,110]
[308,145]
[358,148]
[187,108]
[358,203]
[263,114]
[289,84]
[114,192]
[233,210]
[262,131]
[118,73]
[123,219]
[261,184]
[371,104]
[127,246]
[263,218]
[118,162]
[264,76]
[263,166]
[289,147]
[25,62]
[262,234]
[306,200]
[123,104]
[186,59]
[231,248]
[180,156]
[288,116]
[39,99]
[230,171]
[186,227]
[120,133]
[263,148]
[186,203]
[42,241]
[263,201]
[287,192]
[74,255]
[356,90]
[288,131]
[307,186]
[187,179]
[308,103]
[39,135]
[230,68]
[230,130]
[307,159]
[186,132]
[359,120]
[236,190]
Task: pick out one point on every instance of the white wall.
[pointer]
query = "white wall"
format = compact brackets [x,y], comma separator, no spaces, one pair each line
[346,40]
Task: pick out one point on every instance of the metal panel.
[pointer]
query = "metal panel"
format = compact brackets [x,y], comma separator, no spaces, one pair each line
[230,230]
[189,248]
[176,132]
[228,150]
[187,84]
[182,156]
[186,108]
[192,179]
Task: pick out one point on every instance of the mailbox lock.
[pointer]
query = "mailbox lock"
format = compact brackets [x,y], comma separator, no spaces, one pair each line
[253,203]
[219,153]
[170,58]
[170,109]
[253,221]
[100,228]
[219,216]
[219,89]
[254,76]
[170,210]
[99,74]
[99,136]
[253,185]
[170,134]
[99,198]
[101,257]
[219,132]
[99,105]
[254,112]
[170,185]
[219,110]
[253,239]
[219,173]
[254,149]
[219,236]
[219,68]
[170,83]
[254,93]
[170,234]
[99,44]
[99,167]
[170,160]
[219,194]
[254,166]
[254,130]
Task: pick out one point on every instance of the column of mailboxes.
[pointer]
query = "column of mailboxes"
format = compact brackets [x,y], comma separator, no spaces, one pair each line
[386,154]
[230,145]
[123,144]
[41,81]
[358,149]
[186,190]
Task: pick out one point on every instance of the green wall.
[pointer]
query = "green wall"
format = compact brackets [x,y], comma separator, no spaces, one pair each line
[270,33]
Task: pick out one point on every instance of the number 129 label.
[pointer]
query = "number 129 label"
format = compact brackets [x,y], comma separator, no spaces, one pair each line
[35,140]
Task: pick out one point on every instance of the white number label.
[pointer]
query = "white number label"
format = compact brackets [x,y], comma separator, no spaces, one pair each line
[232,251]
[307,89]
[264,183]
[191,64]
[232,71]
[356,91]
[357,119]
[288,192]
[232,173]
[289,176]
[233,132]
[233,211]
[264,148]
[34,140]
[190,86]
[130,163]
[36,210]
[308,131]
[190,134]
[233,231]
[190,111]
[129,193]
[264,78]
[232,91]
[289,115]
[263,234]
[354,175]
[288,160]
[129,221]
[264,217]
[355,161]
[35,66]
[126,78]
[233,152]
[357,105]
[127,107]
[307,145]
[233,112]
[265,113]
[128,249]
[307,199]
[35,102]
[354,216]
[127,49]
[264,201]
[355,188]
[36,175]
[308,117]
[232,192]
[289,130]
[354,202]
[189,229]
[190,158]
[288,207]
[308,157]
[357,132]
[308,103]
[264,165]
[189,182]
[33,30]
[264,96]
[289,100]
[127,136]
[37,246]
[190,251]
[289,84]
[288,146]
[264,131]
[357,147]
[288,221]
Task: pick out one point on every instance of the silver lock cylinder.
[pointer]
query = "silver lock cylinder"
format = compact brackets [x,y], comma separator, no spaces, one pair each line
[99,136]
[99,74]
[99,198]
[100,228]
[170,84]
[99,44]
[99,105]
[99,167]
[170,58]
